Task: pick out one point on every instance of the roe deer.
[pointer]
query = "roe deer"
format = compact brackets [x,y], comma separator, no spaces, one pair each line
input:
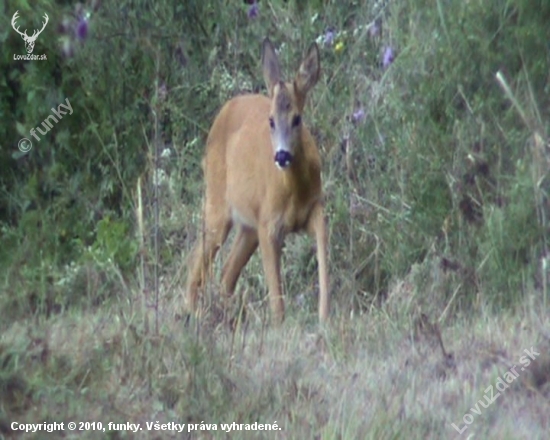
[263,175]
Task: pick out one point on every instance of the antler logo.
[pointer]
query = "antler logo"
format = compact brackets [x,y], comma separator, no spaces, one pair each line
[29,41]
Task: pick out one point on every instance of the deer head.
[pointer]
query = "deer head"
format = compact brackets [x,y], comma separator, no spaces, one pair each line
[29,41]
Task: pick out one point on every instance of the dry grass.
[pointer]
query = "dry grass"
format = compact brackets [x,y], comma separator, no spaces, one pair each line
[379,375]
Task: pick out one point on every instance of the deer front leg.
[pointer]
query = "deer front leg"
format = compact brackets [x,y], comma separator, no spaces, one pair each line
[270,248]
[316,227]
[244,246]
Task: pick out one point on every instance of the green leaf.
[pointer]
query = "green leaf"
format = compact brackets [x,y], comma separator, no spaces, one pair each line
[17,154]
[31,95]
[21,129]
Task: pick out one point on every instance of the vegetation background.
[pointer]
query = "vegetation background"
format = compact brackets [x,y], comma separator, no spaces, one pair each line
[432,120]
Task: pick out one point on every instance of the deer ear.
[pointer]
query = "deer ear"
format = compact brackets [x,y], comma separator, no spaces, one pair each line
[309,72]
[270,66]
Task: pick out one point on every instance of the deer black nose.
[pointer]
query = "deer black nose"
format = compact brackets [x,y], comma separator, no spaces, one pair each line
[283,158]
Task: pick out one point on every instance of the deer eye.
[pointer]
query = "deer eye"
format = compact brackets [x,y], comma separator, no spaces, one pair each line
[272,123]
[296,121]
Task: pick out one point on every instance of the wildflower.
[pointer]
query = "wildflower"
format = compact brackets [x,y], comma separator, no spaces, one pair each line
[339,47]
[82,28]
[358,115]
[328,38]
[253,10]
[74,28]
[388,57]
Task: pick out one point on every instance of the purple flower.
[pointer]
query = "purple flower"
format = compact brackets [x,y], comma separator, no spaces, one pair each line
[82,28]
[358,115]
[253,10]
[328,38]
[388,57]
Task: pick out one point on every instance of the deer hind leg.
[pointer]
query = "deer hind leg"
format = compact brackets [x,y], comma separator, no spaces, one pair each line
[270,247]
[217,227]
[316,227]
